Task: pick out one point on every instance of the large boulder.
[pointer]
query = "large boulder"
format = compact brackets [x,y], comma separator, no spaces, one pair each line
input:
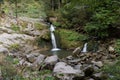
[67,71]
[51,60]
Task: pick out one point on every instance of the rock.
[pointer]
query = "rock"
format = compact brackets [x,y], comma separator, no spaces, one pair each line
[78,66]
[64,71]
[3,49]
[51,60]
[39,59]
[8,39]
[31,58]
[91,79]
[69,57]
[63,68]
[111,49]
[97,63]
[97,75]
[89,71]
[77,50]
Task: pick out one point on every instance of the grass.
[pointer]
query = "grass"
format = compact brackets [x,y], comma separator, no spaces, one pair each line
[70,39]
[15,27]
[113,71]
[14,46]
[117,46]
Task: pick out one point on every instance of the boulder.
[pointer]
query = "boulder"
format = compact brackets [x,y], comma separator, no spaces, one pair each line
[97,63]
[64,71]
[39,59]
[31,58]
[63,68]
[111,49]
[51,60]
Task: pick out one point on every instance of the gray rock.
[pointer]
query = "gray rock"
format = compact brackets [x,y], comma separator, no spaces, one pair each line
[3,49]
[39,59]
[98,75]
[97,63]
[51,60]
[77,50]
[31,58]
[78,66]
[63,68]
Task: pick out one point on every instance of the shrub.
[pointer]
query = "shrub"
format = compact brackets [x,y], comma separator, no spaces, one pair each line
[117,46]
[113,71]
[70,39]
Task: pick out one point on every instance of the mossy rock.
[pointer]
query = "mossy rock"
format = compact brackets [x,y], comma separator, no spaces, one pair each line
[40,26]
[70,39]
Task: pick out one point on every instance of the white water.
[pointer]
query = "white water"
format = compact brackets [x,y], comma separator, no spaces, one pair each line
[52,29]
[84,48]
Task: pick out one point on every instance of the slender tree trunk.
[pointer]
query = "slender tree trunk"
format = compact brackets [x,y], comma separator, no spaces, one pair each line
[59,4]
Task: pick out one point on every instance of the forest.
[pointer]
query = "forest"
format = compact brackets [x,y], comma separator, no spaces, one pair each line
[59,39]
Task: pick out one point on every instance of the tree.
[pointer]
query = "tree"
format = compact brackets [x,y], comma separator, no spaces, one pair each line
[1,1]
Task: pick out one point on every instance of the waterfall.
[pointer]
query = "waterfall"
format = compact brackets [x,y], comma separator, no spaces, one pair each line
[84,48]
[52,29]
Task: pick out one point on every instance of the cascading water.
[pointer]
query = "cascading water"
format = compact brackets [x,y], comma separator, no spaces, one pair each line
[52,29]
[84,48]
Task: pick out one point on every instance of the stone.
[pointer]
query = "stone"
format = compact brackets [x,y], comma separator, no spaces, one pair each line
[77,50]
[39,60]
[97,75]
[51,60]
[31,58]
[97,63]
[78,66]
[111,49]
[3,49]
[64,71]
[63,68]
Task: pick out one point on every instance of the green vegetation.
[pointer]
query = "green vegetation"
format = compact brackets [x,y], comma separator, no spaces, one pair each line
[39,26]
[70,39]
[113,71]
[91,16]
[117,46]
[15,27]
[14,46]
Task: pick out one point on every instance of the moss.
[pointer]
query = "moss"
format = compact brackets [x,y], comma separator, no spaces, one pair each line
[113,71]
[15,27]
[70,39]
[39,26]
[14,46]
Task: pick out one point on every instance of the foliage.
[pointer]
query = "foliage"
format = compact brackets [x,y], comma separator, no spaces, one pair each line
[39,26]
[113,71]
[14,46]
[15,27]
[9,72]
[70,39]
[93,16]
[117,46]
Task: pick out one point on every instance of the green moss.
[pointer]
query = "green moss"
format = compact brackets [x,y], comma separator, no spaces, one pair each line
[70,39]
[39,26]
[14,46]
[113,71]
[15,27]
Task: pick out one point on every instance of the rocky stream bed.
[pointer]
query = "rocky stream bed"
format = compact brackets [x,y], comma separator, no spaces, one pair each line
[78,66]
